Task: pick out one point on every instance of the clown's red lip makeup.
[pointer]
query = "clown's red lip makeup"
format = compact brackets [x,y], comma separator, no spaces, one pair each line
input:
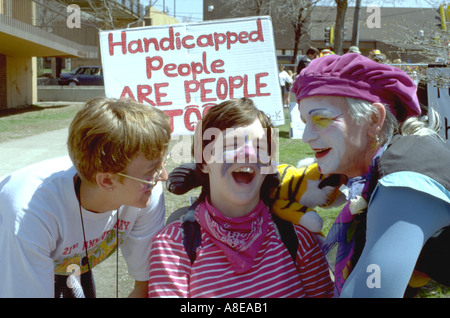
[320,153]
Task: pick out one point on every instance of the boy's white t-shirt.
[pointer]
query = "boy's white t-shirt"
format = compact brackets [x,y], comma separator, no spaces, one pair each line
[41,233]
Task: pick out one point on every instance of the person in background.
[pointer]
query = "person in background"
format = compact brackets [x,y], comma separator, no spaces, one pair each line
[377,56]
[285,81]
[304,62]
[326,52]
[62,217]
[312,53]
[354,49]
[362,120]
[241,253]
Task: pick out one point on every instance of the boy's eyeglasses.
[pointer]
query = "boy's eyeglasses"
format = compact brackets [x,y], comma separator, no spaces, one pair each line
[154,181]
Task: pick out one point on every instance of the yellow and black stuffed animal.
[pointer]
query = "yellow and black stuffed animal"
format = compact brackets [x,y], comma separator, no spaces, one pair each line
[302,189]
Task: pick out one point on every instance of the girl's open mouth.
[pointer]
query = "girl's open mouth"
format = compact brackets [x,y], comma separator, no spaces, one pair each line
[244,175]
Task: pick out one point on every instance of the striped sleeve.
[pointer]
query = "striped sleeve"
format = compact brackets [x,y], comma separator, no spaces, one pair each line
[169,264]
[312,266]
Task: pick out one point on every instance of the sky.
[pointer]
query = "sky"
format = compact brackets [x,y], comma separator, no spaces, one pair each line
[193,9]
[182,9]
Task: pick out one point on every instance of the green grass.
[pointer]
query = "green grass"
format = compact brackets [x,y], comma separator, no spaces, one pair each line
[41,118]
[23,122]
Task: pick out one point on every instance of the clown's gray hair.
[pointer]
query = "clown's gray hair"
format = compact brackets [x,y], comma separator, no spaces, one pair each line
[424,126]
[361,111]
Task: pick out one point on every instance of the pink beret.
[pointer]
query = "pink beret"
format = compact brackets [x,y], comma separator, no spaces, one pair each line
[356,76]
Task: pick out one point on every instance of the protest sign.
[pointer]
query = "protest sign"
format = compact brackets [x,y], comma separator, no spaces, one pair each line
[185,69]
[296,127]
[439,100]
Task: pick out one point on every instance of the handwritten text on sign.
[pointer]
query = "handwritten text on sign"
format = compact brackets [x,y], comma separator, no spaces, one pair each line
[186,69]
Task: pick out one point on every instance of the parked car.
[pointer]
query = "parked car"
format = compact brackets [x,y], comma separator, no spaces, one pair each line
[83,75]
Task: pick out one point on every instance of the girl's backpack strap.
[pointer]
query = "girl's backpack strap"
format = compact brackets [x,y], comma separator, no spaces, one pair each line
[192,236]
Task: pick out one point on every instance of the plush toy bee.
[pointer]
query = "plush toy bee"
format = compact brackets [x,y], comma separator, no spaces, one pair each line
[302,189]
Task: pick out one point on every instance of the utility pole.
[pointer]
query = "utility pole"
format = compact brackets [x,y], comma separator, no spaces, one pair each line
[339,27]
[356,16]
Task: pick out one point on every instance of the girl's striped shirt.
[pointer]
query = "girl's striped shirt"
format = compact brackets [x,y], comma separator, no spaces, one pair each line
[273,274]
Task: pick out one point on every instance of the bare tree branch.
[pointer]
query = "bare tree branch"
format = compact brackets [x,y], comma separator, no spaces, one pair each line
[291,15]
[426,40]
[101,14]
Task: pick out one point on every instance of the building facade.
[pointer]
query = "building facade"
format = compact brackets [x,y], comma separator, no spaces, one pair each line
[21,41]
[389,30]
[59,31]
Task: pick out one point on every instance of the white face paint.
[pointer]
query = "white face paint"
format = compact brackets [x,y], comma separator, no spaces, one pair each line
[340,146]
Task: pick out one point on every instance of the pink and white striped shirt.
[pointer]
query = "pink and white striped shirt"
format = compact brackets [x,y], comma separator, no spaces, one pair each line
[273,274]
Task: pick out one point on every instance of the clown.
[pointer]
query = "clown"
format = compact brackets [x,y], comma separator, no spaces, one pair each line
[362,121]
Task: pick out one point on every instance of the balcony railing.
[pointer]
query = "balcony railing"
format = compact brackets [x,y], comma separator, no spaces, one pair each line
[30,33]
[134,6]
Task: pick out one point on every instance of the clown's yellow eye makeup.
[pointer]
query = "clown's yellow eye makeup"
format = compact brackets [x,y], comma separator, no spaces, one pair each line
[321,122]
[322,118]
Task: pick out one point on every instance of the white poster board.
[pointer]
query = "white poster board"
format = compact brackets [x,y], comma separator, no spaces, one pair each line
[296,125]
[439,100]
[185,69]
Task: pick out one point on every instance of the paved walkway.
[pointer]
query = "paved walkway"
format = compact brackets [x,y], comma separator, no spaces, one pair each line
[21,152]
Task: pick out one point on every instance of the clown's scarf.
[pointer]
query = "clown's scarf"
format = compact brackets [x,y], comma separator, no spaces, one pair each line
[345,240]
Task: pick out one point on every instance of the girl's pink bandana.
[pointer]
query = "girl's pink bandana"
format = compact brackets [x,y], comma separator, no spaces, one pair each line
[239,238]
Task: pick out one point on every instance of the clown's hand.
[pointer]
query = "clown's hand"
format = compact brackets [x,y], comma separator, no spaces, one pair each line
[312,221]
[324,193]
[332,183]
